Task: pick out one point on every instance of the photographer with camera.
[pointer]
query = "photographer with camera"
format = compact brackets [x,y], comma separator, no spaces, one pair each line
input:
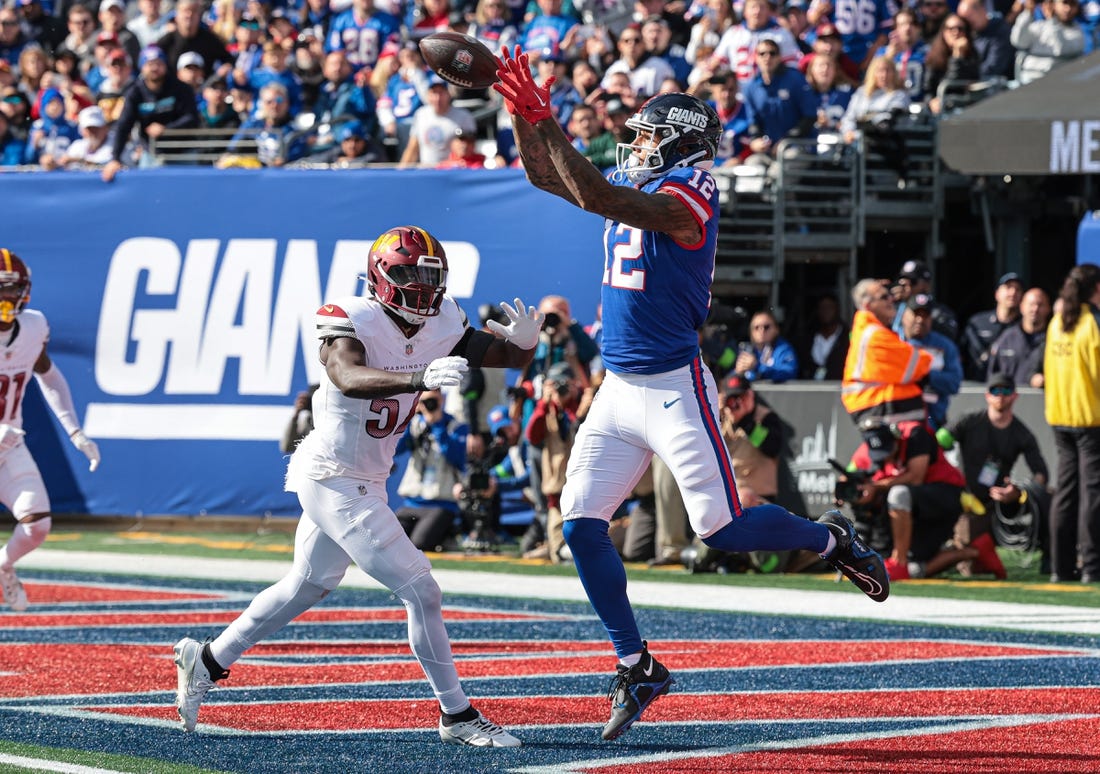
[436,442]
[552,428]
[913,484]
[478,499]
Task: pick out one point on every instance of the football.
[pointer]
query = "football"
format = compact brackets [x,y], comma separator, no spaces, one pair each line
[460,59]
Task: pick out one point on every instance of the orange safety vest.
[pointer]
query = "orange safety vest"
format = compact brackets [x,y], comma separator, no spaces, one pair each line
[881,373]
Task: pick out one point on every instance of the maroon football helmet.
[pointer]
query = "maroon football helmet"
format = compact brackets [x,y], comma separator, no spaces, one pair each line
[15,285]
[407,272]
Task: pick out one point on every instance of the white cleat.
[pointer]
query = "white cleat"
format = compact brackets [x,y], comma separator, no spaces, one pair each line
[193,681]
[15,596]
[479,732]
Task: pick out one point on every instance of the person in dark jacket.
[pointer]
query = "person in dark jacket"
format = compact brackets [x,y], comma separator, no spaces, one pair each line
[191,35]
[952,57]
[996,54]
[156,101]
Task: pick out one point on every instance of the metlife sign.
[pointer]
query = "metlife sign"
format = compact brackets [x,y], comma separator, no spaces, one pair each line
[181,307]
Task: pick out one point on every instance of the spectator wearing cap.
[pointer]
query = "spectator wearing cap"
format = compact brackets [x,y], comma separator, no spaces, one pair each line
[645,69]
[190,34]
[1046,43]
[983,328]
[434,125]
[602,149]
[1018,351]
[17,109]
[906,49]
[12,39]
[738,48]
[112,20]
[43,28]
[274,68]
[92,148]
[548,28]
[493,26]
[991,441]
[357,147]
[946,375]
[105,43]
[768,356]
[247,48]
[154,103]
[11,147]
[882,373]
[111,94]
[780,102]
[271,129]
[341,95]
[916,277]
[189,69]
[920,492]
[563,96]
[360,32]
[150,24]
[51,134]
[826,42]
[754,435]
[215,112]
[863,30]
[464,153]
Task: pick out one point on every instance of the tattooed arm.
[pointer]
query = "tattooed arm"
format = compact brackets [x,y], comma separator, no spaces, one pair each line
[536,161]
[589,190]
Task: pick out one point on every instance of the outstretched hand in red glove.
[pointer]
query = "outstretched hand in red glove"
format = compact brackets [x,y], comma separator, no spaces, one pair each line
[522,96]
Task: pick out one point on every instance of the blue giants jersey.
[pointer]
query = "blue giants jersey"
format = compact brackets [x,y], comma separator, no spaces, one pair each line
[656,292]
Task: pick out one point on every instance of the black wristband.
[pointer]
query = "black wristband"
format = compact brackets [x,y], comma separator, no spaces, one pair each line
[416,381]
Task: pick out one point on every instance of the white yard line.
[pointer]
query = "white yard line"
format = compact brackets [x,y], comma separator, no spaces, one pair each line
[846,603]
[43,764]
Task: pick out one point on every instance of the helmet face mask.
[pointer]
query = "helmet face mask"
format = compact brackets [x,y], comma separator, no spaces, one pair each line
[672,131]
[407,273]
[15,285]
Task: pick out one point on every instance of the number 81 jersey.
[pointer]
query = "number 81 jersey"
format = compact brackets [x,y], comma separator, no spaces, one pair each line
[656,291]
[17,359]
[357,437]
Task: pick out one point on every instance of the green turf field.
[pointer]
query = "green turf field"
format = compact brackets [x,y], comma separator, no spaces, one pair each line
[1024,584]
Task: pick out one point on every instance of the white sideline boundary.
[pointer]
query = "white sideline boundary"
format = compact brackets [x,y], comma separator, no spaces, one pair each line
[845,603]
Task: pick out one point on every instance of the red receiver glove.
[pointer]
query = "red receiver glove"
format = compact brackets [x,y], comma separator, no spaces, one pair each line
[522,96]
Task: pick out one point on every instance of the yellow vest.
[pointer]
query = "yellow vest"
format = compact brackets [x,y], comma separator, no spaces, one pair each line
[1071,368]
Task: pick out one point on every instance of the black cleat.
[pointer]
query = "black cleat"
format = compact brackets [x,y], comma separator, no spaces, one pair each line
[632,690]
[858,561]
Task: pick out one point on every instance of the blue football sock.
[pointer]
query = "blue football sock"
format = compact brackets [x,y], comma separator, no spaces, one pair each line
[604,579]
[769,528]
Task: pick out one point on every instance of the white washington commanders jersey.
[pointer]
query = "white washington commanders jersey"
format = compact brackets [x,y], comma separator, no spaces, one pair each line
[358,437]
[17,358]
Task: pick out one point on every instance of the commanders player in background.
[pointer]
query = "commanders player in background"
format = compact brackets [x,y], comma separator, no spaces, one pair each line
[379,353]
[24,334]
[661,206]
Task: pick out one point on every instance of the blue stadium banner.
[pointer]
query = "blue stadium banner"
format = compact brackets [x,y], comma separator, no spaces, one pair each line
[181,308]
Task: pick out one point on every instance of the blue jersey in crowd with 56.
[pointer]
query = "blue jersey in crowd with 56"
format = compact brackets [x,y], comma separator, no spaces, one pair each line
[656,292]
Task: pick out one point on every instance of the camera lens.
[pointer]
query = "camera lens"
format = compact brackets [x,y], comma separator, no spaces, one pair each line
[553,320]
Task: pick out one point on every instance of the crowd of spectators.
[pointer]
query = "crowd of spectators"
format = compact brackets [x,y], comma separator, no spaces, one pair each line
[277,81]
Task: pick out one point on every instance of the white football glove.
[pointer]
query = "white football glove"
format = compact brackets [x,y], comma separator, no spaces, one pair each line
[87,447]
[444,372]
[524,324]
